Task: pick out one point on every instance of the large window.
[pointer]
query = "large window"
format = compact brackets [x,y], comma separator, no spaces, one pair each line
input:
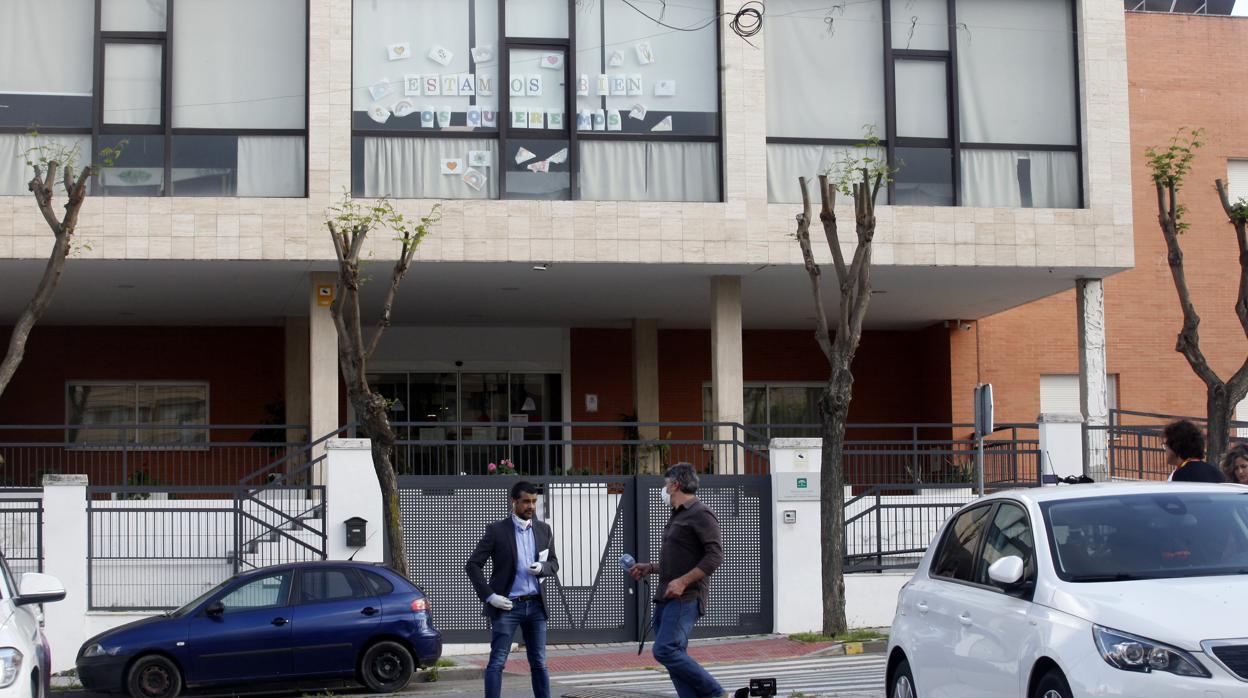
[170,414]
[772,410]
[554,99]
[203,97]
[974,100]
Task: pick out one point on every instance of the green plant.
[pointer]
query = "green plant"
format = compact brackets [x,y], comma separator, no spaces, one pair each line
[1170,165]
[503,467]
[854,635]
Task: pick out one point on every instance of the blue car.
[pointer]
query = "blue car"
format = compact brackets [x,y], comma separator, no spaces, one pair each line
[287,622]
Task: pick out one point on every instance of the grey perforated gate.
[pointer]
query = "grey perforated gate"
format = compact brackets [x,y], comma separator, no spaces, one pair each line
[595,521]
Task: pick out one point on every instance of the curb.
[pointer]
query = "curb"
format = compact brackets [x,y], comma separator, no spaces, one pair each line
[459,672]
[851,648]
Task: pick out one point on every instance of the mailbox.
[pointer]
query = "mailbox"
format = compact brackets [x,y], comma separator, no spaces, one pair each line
[357,532]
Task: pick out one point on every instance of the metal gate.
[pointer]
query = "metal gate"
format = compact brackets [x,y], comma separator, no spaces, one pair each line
[595,521]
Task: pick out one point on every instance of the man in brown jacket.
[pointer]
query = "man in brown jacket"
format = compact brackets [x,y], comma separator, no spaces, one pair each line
[690,553]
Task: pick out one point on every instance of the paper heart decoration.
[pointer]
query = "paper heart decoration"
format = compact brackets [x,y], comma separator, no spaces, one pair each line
[552,59]
[399,50]
[452,165]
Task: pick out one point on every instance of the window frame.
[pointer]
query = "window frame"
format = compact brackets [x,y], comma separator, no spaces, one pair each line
[164,38]
[290,588]
[891,141]
[1035,563]
[296,594]
[130,440]
[573,135]
[976,554]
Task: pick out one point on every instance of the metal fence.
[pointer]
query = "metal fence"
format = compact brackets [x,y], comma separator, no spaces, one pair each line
[144,455]
[21,529]
[570,448]
[595,520]
[890,526]
[156,548]
[1136,444]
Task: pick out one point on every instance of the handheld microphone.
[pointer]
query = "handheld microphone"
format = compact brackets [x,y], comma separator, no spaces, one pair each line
[627,561]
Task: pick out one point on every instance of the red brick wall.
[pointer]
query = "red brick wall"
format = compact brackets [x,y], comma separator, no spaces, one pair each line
[1182,71]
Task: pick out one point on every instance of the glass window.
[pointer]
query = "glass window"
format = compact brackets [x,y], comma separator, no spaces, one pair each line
[419,168]
[138,171]
[553,180]
[1016,74]
[1009,534]
[132,83]
[924,177]
[1020,178]
[649,171]
[35,89]
[244,166]
[920,24]
[787,162]
[178,407]
[546,19]
[922,104]
[330,585]
[956,557]
[133,15]
[15,174]
[1148,536]
[270,591]
[379,585]
[255,78]
[818,83]
[537,89]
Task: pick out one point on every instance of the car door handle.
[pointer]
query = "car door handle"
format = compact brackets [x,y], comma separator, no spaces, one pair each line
[965,618]
[369,611]
[921,606]
[280,621]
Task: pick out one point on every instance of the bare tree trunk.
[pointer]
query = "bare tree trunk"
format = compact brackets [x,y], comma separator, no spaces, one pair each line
[382,436]
[833,411]
[43,186]
[1218,428]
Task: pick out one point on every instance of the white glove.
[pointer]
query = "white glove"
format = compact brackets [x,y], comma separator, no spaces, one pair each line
[502,603]
[535,568]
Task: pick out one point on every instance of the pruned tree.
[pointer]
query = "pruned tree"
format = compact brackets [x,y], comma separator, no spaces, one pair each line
[1169,166]
[350,223]
[52,165]
[860,179]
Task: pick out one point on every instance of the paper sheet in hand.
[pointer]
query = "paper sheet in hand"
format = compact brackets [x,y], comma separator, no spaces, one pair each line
[541,556]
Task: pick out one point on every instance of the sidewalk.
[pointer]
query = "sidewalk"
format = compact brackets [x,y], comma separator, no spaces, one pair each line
[570,659]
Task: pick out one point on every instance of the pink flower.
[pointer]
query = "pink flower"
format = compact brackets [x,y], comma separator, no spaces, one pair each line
[491,467]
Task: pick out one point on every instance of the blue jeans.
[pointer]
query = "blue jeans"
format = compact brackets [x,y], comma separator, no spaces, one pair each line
[529,617]
[673,621]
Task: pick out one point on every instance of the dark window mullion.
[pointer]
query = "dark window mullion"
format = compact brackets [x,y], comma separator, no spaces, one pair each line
[166,80]
[504,97]
[890,98]
[569,109]
[955,106]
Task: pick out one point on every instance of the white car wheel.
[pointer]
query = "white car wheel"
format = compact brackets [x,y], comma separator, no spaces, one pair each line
[903,682]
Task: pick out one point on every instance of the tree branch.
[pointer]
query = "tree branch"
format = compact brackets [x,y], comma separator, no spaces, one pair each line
[827,216]
[1188,342]
[396,277]
[812,270]
[34,310]
[43,198]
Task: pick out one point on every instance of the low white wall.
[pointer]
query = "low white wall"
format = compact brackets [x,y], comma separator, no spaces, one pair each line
[871,599]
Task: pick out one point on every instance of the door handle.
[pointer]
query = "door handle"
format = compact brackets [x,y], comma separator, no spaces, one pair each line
[922,606]
[369,611]
[965,618]
[279,621]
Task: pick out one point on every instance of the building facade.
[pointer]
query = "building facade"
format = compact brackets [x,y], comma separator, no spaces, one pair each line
[617,182]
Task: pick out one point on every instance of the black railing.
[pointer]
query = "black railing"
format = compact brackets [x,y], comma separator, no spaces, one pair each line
[21,529]
[144,455]
[1137,450]
[890,526]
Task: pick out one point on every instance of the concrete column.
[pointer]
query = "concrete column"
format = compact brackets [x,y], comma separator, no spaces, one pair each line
[1061,446]
[65,557]
[322,362]
[646,388]
[727,382]
[1093,382]
[351,490]
[298,373]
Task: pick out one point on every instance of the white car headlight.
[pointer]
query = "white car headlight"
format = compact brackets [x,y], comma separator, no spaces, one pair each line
[10,666]
[1133,653]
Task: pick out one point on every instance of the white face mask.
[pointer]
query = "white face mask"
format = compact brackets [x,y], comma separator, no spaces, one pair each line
[667,496]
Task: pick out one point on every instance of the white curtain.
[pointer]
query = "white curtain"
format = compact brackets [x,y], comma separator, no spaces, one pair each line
[786,163]
[688,57]
[411,168]
[46,47]
[132,87]
[537,18]
[990,178]
[271,166]
[824,80]
[636,171]
[1016,75]
[240,64]
[133,15]
[922,100]
[920,24]
[15,173]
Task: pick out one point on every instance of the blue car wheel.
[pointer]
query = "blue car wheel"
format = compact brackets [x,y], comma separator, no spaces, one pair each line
[154,676]
[386,667]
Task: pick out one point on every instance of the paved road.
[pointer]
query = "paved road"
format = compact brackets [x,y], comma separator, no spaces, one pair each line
[860,676]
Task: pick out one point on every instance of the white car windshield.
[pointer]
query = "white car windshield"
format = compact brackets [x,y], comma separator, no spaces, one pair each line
[1154,535]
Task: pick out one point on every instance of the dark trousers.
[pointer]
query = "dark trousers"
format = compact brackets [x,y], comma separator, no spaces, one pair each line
[673,621]
[530,619]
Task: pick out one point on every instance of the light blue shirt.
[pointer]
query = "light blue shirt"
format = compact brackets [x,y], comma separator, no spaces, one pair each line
[526,554]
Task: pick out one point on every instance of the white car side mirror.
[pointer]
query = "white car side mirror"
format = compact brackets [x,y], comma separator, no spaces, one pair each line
[1007,571]
[38,588]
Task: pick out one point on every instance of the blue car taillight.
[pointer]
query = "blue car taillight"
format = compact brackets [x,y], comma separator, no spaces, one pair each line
[420,605]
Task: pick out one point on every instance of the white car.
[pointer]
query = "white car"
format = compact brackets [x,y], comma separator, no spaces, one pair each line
[25,660]
[1122,590]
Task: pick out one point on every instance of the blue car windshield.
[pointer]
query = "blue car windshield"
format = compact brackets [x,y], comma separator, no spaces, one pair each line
[1156,535]
[200,599]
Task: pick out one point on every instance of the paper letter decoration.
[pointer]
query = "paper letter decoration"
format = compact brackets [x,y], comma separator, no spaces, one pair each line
[411,85]
[614,122]
[537,118]
[426,117]
[467,85]
[584,120]
[582,86]
[433,86]
[600,120]
[520,119]
[604,84]
[450,85]
[619,85]
[474,116]
[517,86]
[634,86]
[554,120]
[485,85]
[444,117]
[534,88]
[489,118]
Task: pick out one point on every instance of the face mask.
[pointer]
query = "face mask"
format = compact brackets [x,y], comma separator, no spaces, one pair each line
[667,497]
